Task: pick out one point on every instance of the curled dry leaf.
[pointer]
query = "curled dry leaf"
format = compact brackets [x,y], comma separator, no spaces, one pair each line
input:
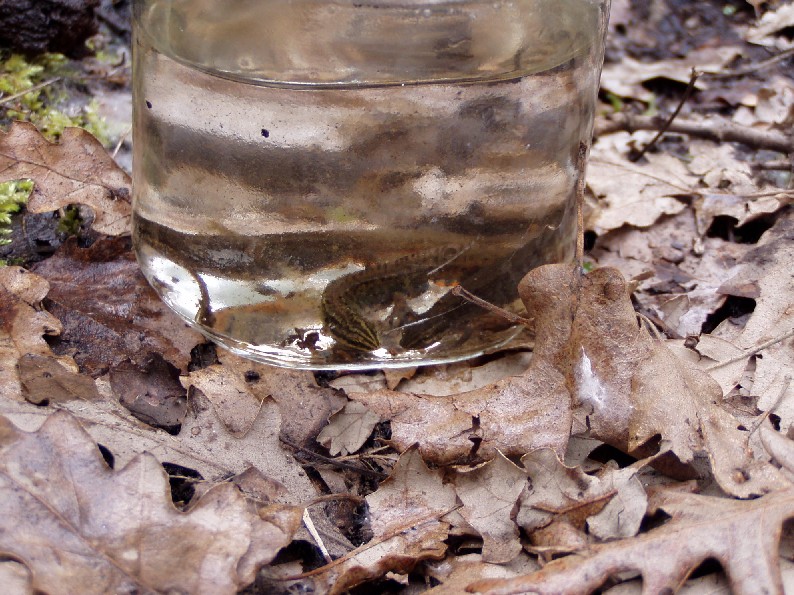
[634,194]
[348,429]
[632,388]
[77,170]
[765,276]
[108,311]
[743,536]
[407,523]
[612,504]
[83,528]
[490,494]
[23,325]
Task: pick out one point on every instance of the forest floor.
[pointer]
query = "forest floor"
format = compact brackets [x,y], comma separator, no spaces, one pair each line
[644,443]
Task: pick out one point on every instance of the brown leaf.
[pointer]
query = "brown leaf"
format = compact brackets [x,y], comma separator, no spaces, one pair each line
[22,325]
[348,429]
[768,268]
[743,536]
[78,170]
[632,388]
[152,393]
[611,504]
[83,528]
[109,312]
[633,194]
[235,404]
[490,494]
[405,516]
[515,415]
[45,379]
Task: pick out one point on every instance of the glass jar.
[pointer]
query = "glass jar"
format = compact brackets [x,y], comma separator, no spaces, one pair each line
[312,177]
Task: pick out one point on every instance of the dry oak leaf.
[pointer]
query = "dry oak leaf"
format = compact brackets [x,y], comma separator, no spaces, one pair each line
[513,416]
[81,527]
[23,325]
[406,513]
[77,170]
[611,504]
[632,388]
[490,494]
[743,536]
[634,194]
[348,429]
[305,407]
[765,275]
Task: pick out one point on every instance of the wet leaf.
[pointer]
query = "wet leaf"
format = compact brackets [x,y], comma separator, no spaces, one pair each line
[77,170]
[153,393]
[82,528]
[743,536]
[45,379]
[108,311]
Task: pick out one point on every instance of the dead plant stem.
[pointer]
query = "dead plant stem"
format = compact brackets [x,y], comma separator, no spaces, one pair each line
[693,77]
[751,352]
[714,129]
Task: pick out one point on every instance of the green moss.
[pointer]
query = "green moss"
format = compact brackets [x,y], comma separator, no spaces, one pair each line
[45,103]
[70,221]
[13,196]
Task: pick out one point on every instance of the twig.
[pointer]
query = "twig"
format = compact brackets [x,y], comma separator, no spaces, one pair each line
[307,520]
[334,462]
[751,352]
[434,516]
[751,68]
[33,89]
[459,291]
[711,129]
[581,185]
[778,165]
[122,138]
[333,497]
[693,77]
[783,390]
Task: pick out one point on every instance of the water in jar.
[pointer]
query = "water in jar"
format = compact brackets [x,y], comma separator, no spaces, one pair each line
[312,178]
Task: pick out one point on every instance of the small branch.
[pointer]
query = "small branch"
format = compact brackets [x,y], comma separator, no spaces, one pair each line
[751,352]
[693,77]
[778,165]
[783,390]
[33,89]
[751,68]
[307,521]
[459,291]
[334,462]
[711,129]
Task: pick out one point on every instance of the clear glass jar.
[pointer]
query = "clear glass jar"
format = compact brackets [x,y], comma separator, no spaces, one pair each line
[312,177]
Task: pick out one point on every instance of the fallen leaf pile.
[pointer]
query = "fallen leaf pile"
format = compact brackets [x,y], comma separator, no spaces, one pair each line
[647,432]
